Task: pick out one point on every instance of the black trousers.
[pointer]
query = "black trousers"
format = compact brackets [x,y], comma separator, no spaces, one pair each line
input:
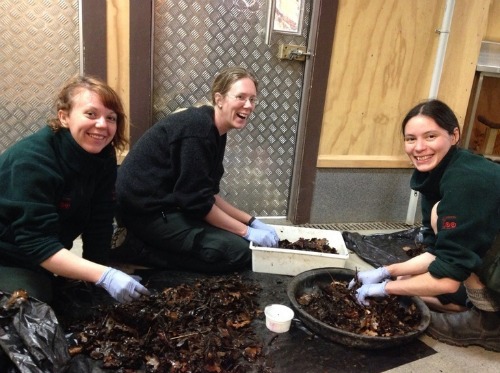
[459,297]
[191,244]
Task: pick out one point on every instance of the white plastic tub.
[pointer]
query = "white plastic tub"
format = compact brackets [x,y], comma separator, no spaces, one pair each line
[278,318]
[292,262]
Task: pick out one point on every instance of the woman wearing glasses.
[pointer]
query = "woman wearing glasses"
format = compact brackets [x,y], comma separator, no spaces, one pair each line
[168,187]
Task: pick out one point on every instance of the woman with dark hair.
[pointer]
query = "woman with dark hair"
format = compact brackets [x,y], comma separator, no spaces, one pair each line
[57,184]
[168,186]
[461,223]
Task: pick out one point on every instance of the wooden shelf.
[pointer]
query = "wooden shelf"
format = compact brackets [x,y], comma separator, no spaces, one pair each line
[363,161]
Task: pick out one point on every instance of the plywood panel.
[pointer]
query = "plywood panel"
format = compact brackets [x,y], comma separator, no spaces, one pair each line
[468,28]
[493,30]
[382,64]
[118,52]
[118,43]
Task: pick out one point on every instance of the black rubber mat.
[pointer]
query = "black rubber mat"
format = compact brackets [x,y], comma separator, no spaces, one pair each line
[299,350]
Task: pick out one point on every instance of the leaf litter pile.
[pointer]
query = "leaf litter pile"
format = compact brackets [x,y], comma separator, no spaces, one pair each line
[317,245]
[413,251]
[336,305]
[202,327]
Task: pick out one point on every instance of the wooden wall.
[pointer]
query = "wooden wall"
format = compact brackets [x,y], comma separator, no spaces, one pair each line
[493,29]
[118,49]
[126,61]
[383,59]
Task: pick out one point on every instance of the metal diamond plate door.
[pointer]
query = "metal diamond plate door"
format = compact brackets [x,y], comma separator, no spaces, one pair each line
[39,51]
[193,40]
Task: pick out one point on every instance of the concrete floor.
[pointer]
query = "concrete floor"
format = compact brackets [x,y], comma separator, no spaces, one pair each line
[447,359]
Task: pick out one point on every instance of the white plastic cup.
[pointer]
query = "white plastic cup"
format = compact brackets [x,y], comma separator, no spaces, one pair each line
[278,318]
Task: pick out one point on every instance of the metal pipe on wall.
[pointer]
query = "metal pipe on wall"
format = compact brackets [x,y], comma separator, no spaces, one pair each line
[443,32]
[269,22]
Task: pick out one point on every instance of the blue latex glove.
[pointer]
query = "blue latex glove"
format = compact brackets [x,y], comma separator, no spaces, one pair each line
[258,224]
[136,278]
[372,276]
[261,237]
[121,286]
[371,290]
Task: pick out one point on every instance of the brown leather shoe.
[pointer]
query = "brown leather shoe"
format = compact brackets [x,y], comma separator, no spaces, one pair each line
[470,328]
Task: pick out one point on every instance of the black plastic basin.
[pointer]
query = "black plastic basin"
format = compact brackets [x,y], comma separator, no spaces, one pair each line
[306,282]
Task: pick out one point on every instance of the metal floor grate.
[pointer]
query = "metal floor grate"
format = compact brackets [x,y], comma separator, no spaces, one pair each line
[362,226]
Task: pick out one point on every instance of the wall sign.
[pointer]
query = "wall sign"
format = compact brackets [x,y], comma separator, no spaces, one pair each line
[287,16]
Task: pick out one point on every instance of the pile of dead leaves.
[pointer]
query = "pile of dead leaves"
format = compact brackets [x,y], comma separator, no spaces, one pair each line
[336,305]
[318,245]
[197,328]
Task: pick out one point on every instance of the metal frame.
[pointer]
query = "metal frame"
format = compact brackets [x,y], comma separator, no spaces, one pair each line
[472,118]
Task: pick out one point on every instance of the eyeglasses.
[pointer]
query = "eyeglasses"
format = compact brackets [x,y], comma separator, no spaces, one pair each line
[253,100]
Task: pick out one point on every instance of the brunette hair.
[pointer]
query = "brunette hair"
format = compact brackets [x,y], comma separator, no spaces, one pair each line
[227,77]
[436,110]
[108,96]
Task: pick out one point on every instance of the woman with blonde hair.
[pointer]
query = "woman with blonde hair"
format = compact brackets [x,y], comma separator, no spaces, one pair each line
[168,186]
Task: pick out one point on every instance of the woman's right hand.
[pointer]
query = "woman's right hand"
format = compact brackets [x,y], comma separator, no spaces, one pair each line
[261,237]
[372,276]
[121,286]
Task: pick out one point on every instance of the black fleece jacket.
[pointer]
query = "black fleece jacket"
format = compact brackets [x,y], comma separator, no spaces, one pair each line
[176,165]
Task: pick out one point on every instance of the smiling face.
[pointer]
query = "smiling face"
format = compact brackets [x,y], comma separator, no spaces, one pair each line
[426,143]
[91,124]
[233,108]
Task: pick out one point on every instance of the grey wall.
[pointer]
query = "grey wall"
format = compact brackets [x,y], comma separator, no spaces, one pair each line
[193,40]
[361,195]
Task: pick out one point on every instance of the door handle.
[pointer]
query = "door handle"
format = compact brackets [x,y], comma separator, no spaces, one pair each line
[293,52]
[297,54]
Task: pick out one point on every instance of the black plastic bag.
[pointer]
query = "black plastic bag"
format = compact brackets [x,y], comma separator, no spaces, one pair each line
[30,335]
[384,249]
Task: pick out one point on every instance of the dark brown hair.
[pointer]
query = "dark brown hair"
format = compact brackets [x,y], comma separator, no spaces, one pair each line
[436,110]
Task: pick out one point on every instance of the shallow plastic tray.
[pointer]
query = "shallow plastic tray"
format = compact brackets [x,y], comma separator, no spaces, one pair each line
[292,262]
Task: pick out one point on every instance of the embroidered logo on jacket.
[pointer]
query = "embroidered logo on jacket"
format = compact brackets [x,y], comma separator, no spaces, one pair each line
[65,203]
[449,222]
